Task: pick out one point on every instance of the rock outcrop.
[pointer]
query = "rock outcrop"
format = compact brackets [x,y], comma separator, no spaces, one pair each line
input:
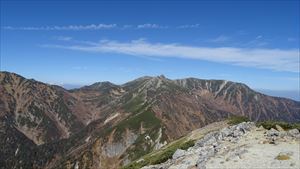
[239,146]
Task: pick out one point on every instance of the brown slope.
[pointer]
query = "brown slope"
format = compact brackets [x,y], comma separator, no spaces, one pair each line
[98,97]
[239,99]
[42,112]
[119,118]
[179,106]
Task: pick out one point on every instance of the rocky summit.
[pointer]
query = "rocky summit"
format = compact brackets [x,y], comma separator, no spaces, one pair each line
[239,146]
[109,126]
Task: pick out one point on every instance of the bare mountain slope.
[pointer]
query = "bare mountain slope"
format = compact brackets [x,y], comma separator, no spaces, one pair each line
[42,112]
[106,125]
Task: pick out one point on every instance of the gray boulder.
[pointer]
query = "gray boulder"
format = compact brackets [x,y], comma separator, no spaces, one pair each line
[245,126]
[294,133]
[272,132]
[178,153]
[226,132]
[209,139]
[237,133]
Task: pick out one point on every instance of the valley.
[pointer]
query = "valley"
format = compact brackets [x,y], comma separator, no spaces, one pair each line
[109,126]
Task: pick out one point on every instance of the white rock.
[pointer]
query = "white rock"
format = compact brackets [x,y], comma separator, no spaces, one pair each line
[279,128]
[294,133]
[76,165]
[178,153]
[209,139]
[226,132]
[17,150]
[272,132]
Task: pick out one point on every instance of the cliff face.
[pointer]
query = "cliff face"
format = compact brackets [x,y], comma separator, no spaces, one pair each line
[106,125]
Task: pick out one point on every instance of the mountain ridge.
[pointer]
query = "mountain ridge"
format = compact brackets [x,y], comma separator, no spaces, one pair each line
[120,123]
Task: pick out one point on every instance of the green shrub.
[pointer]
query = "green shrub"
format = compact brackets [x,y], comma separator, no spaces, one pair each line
[283,157]
[162,155]
[233,120]
[272,124]
[187,145]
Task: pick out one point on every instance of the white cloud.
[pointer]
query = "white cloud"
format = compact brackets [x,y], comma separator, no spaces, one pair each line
[68,27]
[127,26]
[188,26]
[259,37]
[150,26]
[273,59]
[258,41]
[87,27]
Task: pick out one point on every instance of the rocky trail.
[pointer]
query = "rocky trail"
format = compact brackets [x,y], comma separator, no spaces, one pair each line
[239,146]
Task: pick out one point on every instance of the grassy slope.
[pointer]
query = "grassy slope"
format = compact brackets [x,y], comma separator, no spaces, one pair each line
[165,153]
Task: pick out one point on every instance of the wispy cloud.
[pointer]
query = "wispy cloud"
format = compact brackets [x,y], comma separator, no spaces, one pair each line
[98,27]
[220,39]
[63,38]
[258,37]
[151,26]
[188,26]
[259,41]
[87,27]
[61,28]
[127,26]
[273,59]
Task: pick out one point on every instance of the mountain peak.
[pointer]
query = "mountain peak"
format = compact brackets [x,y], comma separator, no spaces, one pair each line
[161,76]
[100,86]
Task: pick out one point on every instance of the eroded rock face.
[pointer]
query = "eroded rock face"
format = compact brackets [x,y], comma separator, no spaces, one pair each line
[117,148]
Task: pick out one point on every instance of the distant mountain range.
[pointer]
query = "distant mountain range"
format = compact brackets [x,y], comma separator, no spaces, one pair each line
[292,94]
[105,125]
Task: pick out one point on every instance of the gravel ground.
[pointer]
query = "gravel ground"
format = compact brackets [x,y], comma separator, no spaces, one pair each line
[257,152]
[243,146]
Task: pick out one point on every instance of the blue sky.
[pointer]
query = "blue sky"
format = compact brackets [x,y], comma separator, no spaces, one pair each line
[254,42]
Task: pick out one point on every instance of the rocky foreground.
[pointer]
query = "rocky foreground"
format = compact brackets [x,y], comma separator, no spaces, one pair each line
[240,146]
